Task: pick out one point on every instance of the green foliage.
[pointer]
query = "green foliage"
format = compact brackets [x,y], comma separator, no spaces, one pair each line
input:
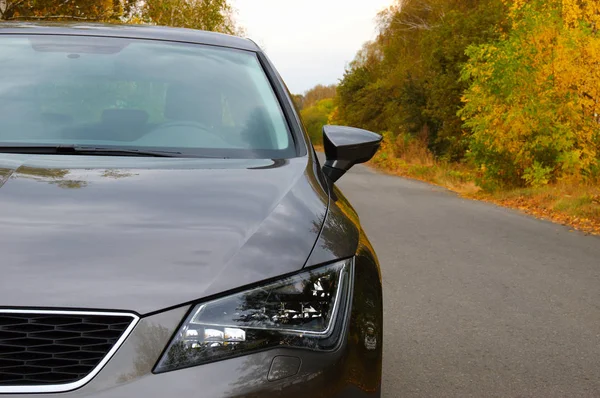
[531,106]
[315,117]
[316,108]
[95,10]
[443,63]
[408,80]
[212,15]
[363,101]
[510,86]
[318,93]
[537,175]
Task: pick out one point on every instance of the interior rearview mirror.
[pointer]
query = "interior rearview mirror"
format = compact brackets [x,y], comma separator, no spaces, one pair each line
[345,147]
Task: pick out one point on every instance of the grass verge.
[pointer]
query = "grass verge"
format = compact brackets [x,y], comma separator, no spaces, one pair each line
[575,205]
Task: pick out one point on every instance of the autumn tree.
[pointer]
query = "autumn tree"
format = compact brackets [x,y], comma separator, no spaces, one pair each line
[316,107]
[213,15]
[96,10]
[407,80]
[315,117]
[8,8]
[318,93]
[533,103]
[298,100]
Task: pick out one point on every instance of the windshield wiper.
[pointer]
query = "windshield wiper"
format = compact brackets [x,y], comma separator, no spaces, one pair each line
[124,152]
[85,150]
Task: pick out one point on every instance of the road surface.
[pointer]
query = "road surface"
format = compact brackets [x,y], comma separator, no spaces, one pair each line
[480,301]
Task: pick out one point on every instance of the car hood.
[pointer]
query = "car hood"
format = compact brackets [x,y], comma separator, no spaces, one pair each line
[145,234]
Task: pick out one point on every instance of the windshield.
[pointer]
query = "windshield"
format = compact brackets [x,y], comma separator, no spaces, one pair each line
[138,94]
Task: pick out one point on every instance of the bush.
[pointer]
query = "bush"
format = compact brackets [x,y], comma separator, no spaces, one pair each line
[532,102]
[315,117]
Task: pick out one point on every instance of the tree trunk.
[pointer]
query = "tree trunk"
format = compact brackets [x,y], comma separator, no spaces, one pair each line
[3,7]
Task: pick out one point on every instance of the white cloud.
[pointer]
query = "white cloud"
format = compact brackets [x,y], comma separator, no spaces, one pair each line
[309,41]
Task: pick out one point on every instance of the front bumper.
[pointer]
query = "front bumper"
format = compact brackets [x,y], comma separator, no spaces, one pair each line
[129,373]
[353,370]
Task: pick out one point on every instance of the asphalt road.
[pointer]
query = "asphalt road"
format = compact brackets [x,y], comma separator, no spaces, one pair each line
[480,301]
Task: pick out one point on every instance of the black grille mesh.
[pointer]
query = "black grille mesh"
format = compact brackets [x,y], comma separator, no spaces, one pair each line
[43,349]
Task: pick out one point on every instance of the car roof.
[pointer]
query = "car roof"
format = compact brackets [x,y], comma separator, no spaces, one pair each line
[129,31]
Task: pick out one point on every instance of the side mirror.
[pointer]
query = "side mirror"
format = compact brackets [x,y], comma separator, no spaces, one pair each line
[345,147]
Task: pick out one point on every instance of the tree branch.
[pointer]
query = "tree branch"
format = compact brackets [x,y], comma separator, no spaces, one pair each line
[54,17]
[9,6]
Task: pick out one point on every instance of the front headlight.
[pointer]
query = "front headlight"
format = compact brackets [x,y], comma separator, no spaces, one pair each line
[298,311]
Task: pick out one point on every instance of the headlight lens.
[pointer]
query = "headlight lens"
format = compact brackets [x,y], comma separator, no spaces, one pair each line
[298,311]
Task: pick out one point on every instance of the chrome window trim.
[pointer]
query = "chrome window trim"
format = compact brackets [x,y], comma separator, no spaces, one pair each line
[56,388]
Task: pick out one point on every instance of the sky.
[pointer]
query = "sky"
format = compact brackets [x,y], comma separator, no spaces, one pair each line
[309,41]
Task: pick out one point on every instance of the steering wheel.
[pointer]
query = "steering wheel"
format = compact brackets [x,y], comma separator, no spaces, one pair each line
[186,132]
[184,123]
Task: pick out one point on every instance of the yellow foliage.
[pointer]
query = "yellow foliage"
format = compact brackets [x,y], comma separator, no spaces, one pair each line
[534,101]
[574,12]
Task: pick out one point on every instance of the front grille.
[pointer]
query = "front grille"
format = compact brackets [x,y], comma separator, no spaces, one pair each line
[56,348]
